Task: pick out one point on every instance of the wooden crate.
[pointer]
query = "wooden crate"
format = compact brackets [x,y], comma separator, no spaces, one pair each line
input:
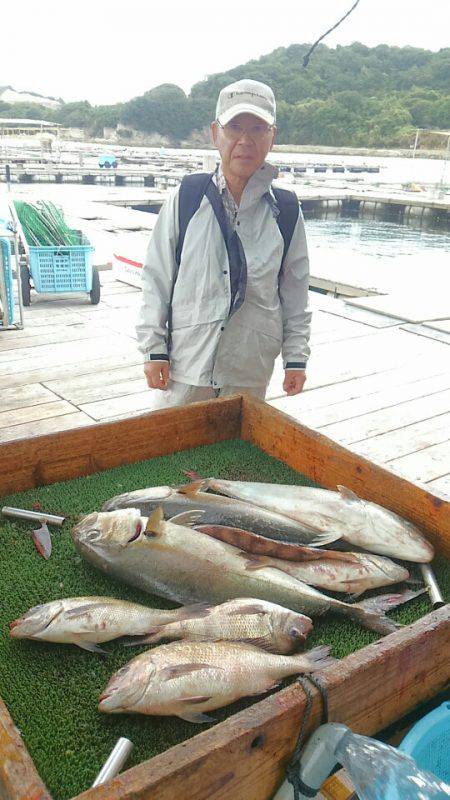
[244,757]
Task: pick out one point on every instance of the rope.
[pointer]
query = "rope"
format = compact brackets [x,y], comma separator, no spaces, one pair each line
[293,769]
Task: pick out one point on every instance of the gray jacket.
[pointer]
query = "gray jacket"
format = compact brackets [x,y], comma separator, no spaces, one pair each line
[209,346]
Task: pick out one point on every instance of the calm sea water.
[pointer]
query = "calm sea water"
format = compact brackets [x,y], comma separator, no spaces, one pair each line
[381,254]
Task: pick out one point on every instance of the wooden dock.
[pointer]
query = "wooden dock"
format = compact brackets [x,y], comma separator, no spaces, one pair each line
[376,384]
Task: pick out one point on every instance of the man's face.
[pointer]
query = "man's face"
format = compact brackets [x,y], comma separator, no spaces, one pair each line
[240,144]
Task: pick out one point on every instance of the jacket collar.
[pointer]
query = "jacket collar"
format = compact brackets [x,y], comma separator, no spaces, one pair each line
[258,185]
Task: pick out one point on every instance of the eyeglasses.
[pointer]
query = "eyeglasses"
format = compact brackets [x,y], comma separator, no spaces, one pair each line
[234,130]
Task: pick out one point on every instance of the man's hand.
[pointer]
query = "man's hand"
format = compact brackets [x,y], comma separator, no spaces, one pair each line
[294,380]
[157,374]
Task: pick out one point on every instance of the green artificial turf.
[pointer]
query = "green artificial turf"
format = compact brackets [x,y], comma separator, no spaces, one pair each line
[51,690]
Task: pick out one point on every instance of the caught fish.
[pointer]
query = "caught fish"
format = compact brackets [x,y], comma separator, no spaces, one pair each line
[186,679]
[86,621]
[246,620]
[173,561]
[360,522]
[218,511]
[362,572]
[260,545]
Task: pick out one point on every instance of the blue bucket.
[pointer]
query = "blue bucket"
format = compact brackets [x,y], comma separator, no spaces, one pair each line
[428,742]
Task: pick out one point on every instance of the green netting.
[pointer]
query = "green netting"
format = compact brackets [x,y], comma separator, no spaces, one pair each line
[43,225]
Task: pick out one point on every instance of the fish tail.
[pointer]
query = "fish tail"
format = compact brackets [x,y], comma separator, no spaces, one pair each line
[370,612]
[314,660]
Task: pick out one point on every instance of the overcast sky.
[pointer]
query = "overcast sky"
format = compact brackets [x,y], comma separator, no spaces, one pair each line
[107,51]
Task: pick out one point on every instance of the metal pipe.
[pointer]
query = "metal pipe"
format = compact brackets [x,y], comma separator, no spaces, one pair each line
[115,761]
[432,586]
[32,516]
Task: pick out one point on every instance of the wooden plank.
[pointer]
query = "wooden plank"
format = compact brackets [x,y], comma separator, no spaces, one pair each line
[69,353]
[69,333]
[407,440]
[86,366]
[145,400]
[426,465]
[19,779]
[389,419]
[244,758]
[34,413]
[20,396]
[386,398]
[87,388]
[107,390]
[58,457]
[441,486]
[331,464]
[321,397]
[28,430]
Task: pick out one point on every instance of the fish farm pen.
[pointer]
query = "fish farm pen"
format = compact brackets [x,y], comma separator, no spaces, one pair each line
[53,740]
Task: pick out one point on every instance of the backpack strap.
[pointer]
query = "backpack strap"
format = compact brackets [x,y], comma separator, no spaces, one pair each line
[192,190]
[289,209]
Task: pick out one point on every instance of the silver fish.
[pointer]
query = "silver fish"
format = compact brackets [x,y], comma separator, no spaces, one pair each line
[186,679]
[256,622]
[361,572]
[86,621]
[360,522]
[187,566]
[219,511]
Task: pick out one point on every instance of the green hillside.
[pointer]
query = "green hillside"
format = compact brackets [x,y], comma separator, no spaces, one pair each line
[354,96]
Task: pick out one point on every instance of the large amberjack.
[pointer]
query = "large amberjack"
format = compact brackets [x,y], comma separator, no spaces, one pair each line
[359,522]
[187,566]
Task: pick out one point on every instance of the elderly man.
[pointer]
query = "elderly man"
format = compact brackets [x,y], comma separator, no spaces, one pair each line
[225,280]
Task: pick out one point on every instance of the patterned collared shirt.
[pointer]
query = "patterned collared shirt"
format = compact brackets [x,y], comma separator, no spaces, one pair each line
[229,203]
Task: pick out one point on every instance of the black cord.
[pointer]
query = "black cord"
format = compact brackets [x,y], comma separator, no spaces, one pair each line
[308,54]
[293,769]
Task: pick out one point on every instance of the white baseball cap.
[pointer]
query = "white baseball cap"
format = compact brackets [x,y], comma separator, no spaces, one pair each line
[246,97]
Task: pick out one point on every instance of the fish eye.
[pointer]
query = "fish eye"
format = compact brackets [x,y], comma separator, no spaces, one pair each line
[295,633]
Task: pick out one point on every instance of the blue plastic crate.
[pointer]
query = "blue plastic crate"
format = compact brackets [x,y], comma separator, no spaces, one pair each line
[62,269]
[7,273]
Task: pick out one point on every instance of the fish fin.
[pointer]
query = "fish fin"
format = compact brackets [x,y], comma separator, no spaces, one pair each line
[252,608]
[352,598]
[168,673]
[73,613]
[193,488]
[154,522]
[254,562]
[322,538]
[317,658]
[187,518]
[196,699]
[194,611]
[263,644]
[153,636]
[192,716]
[348,494]
[194,476]
[92,647]
[385,602]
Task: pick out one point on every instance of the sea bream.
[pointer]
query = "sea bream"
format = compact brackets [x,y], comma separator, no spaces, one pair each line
[187,679]
[256,622]
[359,522]
[173,561]
[218,511]
[87,621]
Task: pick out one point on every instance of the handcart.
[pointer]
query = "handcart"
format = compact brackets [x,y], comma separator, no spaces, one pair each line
[11,317]
[58,268]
